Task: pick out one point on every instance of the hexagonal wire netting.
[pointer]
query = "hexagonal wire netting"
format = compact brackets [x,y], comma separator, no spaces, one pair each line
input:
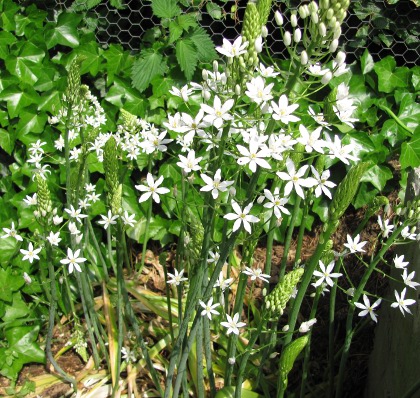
[366,26]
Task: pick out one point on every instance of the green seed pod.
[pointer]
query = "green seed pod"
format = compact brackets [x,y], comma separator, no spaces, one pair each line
[111,167]
[346,191]
[44,203]
[288,357]
[264,8]
[276,301]
[195,235]
[375,205]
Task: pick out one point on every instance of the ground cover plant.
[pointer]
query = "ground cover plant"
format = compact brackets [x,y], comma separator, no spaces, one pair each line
[255,151]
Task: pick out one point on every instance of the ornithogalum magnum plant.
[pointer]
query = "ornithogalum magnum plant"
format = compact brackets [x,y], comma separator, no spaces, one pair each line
[255,149]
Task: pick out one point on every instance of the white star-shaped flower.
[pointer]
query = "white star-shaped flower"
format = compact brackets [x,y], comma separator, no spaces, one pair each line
[253,156]
[294,179]
[401,302]
[367,308]
[12,232]
[354,245]
[282,111]
[241,217]
[217,115]
[108,220]
[256,273]
[152,189]
[322,183]
[176,278]
[233,50]
[209,308]
[31,254]
[326,274]
[233,324]
[190,162]
[215,185]
[275,202]
[73,260]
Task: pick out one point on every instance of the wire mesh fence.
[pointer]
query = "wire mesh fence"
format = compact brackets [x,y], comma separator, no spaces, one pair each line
[385,29]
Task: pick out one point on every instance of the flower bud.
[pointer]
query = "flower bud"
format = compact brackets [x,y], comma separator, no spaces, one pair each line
[285,328]
[322,29]
[340,58]
[330,13]
[258,44]
[279,18]
[287,39]
[206,95]
[264,31]
[337,32]
[223,78]
[315,17]
[324,4]
[232,361]
[27,278]
[326,78]
[238,89]
[332,22]
[303,57]
[313,7]
[215,66]
[232,191]
[297,35]
[260,199]
[204,74]
[293,20]
[303,11]
[333,46]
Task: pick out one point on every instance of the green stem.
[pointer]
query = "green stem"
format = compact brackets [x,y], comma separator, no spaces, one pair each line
[395,117]
[52,310]
[98,251]
[146,236]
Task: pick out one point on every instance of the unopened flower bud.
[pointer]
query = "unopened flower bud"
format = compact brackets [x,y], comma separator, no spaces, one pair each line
[340,58]
[238,89]
[79,238]
[332,22]
[232,191]
[279,18]
[258,44]
[260,199]
[297,35]
[293,20]
[315,17]
[303,11]
[413,230]
[330,13]
[264,31]
[303,57]
[324,4]
[287,39]
[285,328]
[27,278]
[313,6]
[204,74]
[232,361]
[337,32]
[326,78]
[333,46]
[322,29]
[411,213]
[223,78]
[206,95]
[215,66]
[279,221]
[273,355]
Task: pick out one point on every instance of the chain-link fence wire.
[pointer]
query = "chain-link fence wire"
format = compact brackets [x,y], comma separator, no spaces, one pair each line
[384,29]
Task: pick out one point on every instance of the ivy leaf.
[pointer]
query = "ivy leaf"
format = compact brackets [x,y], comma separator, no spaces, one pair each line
[187,57]
[118,4]
[165,8]
[149,65]
[367,62]
[93,58]
[116,60]
[410,151]
[9,11]
[18,99]
[30,122]
[64,32]
[6,38]
[7,142]
[18,308]
[203,44]
[409,113]
[9,283]
[22,341]
[377,176]
[390,77]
